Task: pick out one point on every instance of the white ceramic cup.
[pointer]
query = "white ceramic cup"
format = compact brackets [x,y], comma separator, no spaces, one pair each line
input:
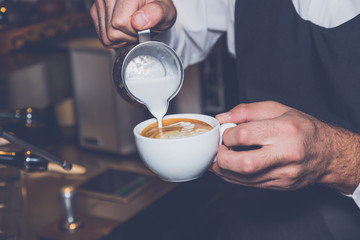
[182,159]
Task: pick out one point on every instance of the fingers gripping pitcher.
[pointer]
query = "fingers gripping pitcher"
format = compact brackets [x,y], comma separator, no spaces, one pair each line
[150,74]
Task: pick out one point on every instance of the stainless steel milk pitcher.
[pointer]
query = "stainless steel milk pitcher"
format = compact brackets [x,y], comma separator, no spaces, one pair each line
[162,53]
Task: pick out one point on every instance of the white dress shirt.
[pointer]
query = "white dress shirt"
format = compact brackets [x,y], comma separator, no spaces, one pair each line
[200,23]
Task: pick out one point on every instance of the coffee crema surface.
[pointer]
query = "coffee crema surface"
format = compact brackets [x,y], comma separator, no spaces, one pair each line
[176,128]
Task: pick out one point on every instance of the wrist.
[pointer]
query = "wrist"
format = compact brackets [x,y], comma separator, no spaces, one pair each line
[343,169]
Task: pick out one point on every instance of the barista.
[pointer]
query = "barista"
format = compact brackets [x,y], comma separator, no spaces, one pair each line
[299,102]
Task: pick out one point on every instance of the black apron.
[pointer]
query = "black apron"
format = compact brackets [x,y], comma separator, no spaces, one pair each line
[284,58]
[316,70]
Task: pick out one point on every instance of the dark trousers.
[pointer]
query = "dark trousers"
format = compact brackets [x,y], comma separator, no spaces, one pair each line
[312,213]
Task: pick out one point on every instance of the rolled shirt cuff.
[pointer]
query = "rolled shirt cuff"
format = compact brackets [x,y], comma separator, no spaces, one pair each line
[355,196]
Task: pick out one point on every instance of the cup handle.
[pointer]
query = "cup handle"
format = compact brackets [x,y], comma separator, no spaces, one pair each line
[222,129]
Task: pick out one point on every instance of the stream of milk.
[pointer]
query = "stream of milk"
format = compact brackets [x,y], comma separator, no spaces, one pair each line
[147,80]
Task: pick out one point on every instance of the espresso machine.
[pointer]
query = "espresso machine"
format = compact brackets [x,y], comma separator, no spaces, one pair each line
[105,120]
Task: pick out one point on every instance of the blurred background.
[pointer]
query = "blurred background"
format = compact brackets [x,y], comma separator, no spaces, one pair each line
[57,94]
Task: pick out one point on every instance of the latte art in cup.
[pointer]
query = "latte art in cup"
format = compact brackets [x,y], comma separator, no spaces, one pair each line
[181,156]
[176,128]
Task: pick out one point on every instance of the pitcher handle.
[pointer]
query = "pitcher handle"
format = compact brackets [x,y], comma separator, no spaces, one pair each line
[144,35]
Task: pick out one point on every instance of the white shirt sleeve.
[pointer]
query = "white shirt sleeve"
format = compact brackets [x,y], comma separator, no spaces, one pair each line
[355,196]
[199,25]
